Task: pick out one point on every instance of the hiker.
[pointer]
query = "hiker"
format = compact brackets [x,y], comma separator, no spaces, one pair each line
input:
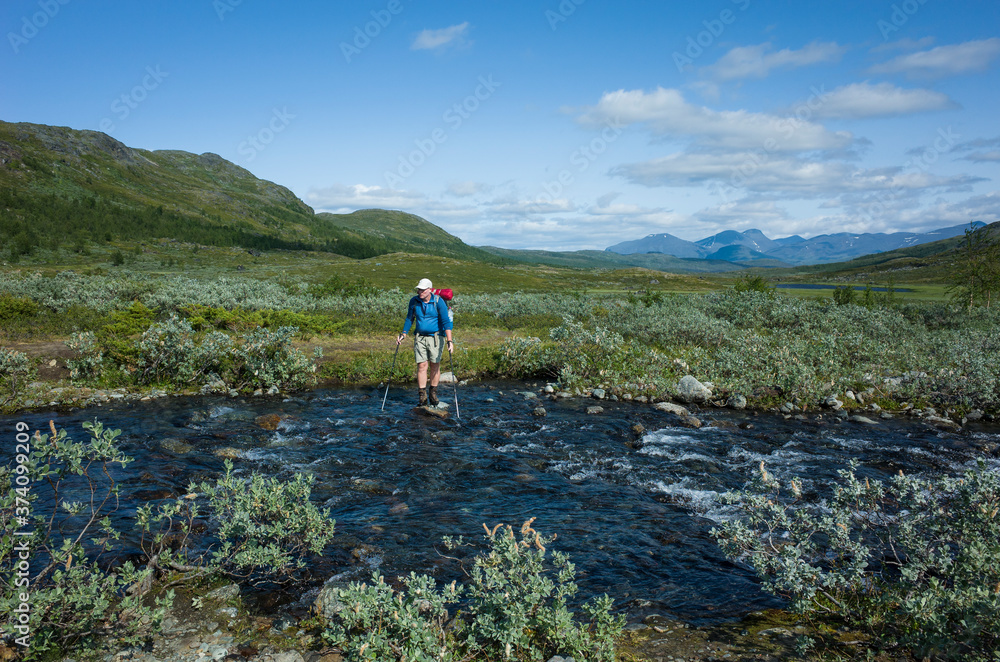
[430,313]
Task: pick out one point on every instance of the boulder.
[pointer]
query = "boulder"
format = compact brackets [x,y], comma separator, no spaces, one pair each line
[671,408]
[690,389]
[690,422]
[736,401]
[595,410]
[598,393]
[943,423]
[432,411]
[832,402]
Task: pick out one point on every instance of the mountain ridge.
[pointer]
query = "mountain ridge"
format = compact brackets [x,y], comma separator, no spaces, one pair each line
[61,184]
[794,250]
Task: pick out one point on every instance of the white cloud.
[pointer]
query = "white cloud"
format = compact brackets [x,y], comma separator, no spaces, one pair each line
[467,189]
[743,214]
[980,150]
[531,207]
[341,198]
[666,113]
[778,174]
[943,61]
[883,99]
[758,61]
[980,157]
[435,39]
[904,45]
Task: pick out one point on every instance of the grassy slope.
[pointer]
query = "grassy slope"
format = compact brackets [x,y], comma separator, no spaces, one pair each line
[204,190]
[407,232]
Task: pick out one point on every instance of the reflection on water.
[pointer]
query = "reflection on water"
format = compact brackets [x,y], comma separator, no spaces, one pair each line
[633,512]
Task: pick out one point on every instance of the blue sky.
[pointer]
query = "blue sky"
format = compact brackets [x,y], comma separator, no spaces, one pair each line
[558,125]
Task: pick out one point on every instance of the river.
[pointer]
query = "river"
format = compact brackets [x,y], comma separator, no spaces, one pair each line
[633,509]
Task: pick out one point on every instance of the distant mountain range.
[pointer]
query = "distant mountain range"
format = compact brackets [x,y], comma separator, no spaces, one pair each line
[754,248]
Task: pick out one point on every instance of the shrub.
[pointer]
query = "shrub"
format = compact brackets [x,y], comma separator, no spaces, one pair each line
[88,364]
[844,295]
[16,373]
[377,623]
[171,352]
[516,603]
[13,308]
[913,561]
[72,601]
[266,526]
[167,352]
[264,358]
[517,609]
[752,283]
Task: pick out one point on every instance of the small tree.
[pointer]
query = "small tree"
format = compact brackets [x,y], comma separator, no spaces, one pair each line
[977,272]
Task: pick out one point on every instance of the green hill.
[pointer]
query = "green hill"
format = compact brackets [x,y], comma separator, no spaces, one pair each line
[932,262]
[60,185]
[407,233]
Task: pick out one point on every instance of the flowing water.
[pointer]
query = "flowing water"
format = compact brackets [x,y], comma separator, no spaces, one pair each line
[633,510]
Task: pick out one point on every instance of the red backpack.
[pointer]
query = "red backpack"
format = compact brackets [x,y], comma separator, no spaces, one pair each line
[447,295]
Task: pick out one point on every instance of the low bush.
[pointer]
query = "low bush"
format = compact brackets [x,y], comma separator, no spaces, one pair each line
[16,308]
[263,528]
[16,373]
[172,353]
[912,562]
[515,607]
[73,602]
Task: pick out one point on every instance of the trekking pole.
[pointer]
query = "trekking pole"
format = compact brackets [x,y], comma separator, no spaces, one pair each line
[389,381]
[451,361]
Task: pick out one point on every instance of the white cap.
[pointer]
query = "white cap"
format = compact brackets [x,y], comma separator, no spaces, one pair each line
[424,284]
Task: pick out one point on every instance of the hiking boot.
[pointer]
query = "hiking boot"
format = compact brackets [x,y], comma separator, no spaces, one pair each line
[421,398]
[432,396]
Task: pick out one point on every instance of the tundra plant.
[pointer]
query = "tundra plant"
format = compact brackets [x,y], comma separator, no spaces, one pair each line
[263,528]
[16,372]
[516,603]
[70,489]
[913,562]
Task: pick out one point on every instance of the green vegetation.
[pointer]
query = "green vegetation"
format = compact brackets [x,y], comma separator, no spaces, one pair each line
[912,563]
[977,275]
[515,609]
[256,530]
[238,333]
[16,371]
[171,354]
[73,601]
[79,190]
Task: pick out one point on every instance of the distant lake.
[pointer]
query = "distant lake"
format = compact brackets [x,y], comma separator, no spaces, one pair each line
[796,286]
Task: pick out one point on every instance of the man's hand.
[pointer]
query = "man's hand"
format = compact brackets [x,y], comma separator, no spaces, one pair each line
[399,338]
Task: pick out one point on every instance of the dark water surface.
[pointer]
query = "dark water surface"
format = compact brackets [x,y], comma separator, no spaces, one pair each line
[632,511]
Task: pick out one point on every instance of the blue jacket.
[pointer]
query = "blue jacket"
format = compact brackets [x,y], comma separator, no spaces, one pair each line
[431,317]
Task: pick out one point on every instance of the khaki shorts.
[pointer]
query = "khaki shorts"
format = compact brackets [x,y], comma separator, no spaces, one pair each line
[428,349]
